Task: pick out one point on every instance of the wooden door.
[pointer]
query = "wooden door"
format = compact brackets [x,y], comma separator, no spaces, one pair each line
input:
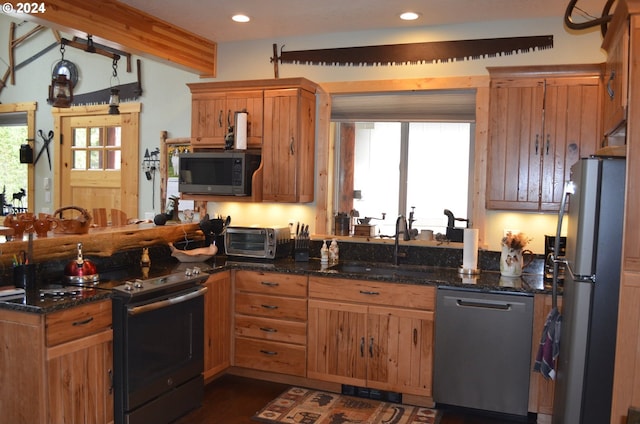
[217,324]
[80,387]
[252,103]
[288,152]
[515,143]
[571,130]
[208,120]
[99,162]
[400,350]
[336,342]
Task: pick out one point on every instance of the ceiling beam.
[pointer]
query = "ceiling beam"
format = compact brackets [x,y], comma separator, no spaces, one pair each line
[123,27]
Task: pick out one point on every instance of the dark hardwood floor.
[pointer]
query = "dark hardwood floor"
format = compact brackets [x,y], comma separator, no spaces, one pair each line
[234,400]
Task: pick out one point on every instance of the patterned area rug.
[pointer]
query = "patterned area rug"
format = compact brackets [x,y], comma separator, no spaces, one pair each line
[305,406]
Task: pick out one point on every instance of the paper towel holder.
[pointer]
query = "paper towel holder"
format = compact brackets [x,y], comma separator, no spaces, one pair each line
[468,271]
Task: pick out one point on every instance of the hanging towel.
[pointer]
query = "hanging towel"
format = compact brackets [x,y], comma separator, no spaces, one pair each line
[549,348]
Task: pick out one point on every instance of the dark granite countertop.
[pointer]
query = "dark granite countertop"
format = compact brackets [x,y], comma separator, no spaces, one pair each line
[408,274]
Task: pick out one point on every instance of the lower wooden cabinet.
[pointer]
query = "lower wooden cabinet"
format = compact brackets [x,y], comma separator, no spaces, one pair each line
[57,368]
[217,324]
[270,322]
[377,335]
[79,380]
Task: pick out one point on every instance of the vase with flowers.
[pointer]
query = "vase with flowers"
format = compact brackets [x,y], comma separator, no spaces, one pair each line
[512,256]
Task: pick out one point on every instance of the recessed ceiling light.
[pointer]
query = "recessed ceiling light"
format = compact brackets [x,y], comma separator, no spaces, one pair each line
[409,16]
[240,18]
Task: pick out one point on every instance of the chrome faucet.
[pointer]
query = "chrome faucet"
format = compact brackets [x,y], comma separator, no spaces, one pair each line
[401,225]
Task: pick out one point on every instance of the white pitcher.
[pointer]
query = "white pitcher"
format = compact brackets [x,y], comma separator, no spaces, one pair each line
[512,261]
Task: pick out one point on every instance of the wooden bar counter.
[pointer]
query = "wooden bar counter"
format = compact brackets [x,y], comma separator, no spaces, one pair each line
[101,242]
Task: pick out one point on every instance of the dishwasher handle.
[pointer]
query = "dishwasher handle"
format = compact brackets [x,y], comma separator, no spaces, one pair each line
[465,303]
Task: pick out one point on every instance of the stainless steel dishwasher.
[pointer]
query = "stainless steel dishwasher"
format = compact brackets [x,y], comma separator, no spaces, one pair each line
[483,350]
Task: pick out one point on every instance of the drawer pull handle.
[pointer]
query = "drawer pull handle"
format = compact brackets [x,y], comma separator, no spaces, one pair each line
[610,90]
[415,337]
[269,284]
[269,306]
[268,330]
[86,321]
[369,293]
[110,373]
[362,347]
[371,347]
[268,352]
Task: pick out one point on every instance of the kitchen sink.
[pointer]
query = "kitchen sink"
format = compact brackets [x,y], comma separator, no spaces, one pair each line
[383,270]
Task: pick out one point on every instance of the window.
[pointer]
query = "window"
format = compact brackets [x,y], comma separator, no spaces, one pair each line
[96,148]
[403,166]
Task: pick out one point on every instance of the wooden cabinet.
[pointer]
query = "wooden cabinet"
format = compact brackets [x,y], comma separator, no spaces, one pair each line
[288,151]
[626,382]
[365,333]
[217,324]
[270,322]
[541,121]
[213,112]
[60,365]
[281,122]
[615,80]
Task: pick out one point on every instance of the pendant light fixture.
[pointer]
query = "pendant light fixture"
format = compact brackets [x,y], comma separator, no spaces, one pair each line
[61,88]
[114,96]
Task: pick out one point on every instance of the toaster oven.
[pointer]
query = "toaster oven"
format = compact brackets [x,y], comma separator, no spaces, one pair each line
[254,242]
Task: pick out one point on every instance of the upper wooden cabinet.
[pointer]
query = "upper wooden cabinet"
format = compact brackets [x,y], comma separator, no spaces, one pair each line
[289,145]
[213,113]
[281,122]
[616,73]
[541,121]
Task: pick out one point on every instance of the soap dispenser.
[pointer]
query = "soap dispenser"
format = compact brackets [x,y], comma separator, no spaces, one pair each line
[334,252]
[324,253]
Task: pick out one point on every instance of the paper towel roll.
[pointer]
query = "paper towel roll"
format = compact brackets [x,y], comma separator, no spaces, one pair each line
[470,250]
[240,133]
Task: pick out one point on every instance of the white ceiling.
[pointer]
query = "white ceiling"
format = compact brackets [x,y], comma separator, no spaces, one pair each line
[289,18]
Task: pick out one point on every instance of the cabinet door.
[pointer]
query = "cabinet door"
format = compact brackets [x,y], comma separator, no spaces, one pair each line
[288,145]
[515,142]
[337,342]
[615,82]
[212,115]
[400,350]
[79,380]
[208,120]
[571,131]
[217,324]
[252,103]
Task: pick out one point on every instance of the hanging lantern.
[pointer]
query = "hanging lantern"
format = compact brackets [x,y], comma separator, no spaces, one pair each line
[61,88]
[60,91]
[114,97]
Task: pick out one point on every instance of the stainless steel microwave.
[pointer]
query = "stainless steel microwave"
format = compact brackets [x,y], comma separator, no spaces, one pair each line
[217,173]
[253,242]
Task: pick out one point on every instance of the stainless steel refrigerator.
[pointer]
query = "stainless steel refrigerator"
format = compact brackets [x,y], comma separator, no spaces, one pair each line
[590,292]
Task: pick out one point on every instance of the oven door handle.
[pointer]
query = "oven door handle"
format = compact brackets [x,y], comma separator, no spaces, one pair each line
[166,302]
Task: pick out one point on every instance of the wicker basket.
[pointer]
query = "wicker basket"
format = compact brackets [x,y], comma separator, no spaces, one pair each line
[78,225]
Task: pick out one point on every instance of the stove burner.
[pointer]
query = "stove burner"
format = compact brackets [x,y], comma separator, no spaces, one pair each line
[61,292]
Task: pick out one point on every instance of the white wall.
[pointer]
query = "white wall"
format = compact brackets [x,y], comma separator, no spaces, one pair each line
[166,98]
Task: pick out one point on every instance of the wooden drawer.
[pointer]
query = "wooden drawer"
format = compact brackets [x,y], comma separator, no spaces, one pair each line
[77,322]
[271,329]
[271,283]
[270,356]
[373,292]
[271,306]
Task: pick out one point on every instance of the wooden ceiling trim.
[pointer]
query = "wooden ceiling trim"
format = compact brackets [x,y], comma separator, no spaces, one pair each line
[123,27]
